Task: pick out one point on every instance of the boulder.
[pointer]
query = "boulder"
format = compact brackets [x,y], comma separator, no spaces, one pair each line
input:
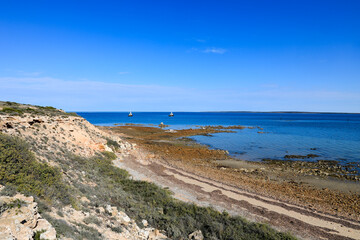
[145,223]
[123,218]
[111,210]
[197,235]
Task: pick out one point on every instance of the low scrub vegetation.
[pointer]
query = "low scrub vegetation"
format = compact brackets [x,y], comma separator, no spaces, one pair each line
[13,204]
[19,168]
[102,183]
[38,234]
[13,108]
[80,232]
[113,144]
[144,200]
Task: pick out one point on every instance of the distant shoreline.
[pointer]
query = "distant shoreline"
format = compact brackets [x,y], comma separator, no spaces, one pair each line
[282,112]
[289,112]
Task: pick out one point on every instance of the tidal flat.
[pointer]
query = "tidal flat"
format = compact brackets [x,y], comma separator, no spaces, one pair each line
[323,185]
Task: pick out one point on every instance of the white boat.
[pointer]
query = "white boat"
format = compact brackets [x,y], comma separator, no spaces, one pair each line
[130,114]
[171,114]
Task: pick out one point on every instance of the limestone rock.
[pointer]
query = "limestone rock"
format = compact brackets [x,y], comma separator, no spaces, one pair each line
[155,234]
[123,218]
[145,223]
[5,233]
[107,148]
[108,208]
[111,210]
[74,133]
[197,235]
[84,200]
[21,219]
[101,210]
[44,225]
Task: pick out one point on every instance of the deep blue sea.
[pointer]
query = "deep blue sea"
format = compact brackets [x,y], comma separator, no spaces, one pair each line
[333,136]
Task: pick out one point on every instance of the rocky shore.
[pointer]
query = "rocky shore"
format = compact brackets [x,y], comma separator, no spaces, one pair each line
[318,187]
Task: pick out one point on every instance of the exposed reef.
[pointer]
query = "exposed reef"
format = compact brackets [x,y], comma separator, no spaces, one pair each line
[320,184]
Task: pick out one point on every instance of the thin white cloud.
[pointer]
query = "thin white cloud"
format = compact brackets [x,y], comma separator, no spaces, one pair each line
[200,40]
[215,50]
[208,50]
[123,73]
[108,96]
[92,95]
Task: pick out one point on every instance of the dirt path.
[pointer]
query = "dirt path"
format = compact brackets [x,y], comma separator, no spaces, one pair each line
[304,223]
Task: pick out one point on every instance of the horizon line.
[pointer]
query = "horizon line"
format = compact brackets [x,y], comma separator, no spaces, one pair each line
[295,112]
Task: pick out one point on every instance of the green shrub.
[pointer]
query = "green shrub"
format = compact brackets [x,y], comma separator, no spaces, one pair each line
[16,108]
[13,204]
[37,234]
[11,103]
[48,108]
[74,114]
[8,191]
[109,155]
[145,200]
[12,110]
[113,144]
[116,229]
[60,213]
[20,169]
[92,219]
[81,232]
[62,227]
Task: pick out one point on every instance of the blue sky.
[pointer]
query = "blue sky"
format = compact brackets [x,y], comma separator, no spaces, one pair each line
[182,55]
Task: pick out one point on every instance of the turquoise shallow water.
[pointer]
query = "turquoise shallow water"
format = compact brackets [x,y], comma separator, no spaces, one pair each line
[334,136]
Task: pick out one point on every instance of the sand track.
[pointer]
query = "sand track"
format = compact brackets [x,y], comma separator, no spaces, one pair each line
[303,222]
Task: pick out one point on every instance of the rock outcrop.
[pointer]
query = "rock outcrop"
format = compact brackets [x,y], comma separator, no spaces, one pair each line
[197,235]
[19,219]
[111,223]
[54,133]
[53,138]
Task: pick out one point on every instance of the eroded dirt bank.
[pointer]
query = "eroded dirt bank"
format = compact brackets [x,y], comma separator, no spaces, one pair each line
[282,197]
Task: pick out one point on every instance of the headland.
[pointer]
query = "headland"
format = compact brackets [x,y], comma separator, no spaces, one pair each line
[60,178]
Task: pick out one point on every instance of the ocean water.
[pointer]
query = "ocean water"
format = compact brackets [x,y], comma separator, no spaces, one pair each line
[333,136]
